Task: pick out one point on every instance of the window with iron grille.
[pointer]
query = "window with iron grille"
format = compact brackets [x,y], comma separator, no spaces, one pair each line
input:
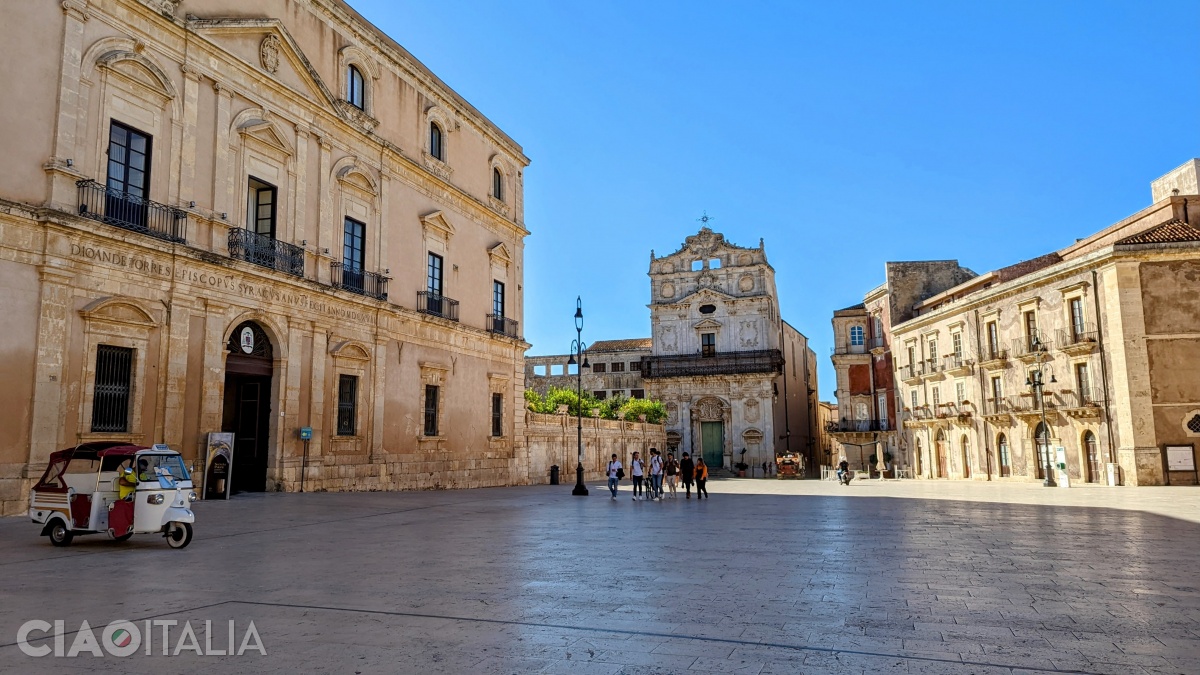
[497,415]
[110,402]
[347,419]
[618,366]
[431,410]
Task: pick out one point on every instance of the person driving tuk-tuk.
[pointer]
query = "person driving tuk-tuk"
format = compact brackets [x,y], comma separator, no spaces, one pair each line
[127,482]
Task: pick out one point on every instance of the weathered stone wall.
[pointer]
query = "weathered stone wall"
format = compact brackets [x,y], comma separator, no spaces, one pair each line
[553,439]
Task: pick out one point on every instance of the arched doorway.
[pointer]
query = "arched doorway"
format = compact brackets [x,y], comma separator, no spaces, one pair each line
[1004,459]
[1041,441]
[1092,450]
[941,452]
[249,365]
[966,456]
[711,413]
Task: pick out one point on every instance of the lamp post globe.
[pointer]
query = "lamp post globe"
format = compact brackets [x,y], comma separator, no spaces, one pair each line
[580,363]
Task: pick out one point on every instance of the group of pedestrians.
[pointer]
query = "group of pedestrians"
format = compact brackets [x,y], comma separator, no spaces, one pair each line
[656,473]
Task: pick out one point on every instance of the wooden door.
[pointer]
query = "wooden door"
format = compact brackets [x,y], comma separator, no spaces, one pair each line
[712,440]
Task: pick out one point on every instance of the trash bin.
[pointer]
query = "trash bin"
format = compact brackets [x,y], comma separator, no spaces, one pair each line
[554,475]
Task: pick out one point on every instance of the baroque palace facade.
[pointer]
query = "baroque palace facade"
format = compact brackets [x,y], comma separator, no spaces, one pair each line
[255,221]
[1084,360]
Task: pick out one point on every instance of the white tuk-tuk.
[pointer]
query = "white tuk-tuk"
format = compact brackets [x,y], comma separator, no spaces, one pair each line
[115,488]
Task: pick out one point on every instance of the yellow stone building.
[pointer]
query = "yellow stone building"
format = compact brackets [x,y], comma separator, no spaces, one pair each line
[254,218]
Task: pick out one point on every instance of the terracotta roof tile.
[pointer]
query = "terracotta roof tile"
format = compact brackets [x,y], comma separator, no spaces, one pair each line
[1168,233]
[634,344]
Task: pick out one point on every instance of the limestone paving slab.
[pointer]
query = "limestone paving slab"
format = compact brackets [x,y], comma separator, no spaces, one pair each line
[781,577]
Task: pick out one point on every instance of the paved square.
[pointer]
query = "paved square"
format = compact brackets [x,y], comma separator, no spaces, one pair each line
[767,577]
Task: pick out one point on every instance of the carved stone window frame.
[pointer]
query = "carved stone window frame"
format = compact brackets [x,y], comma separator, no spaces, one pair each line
[118,322]
[501,203]
[448,124]
[435,374]
[498,383]
[350,357]
[360,59]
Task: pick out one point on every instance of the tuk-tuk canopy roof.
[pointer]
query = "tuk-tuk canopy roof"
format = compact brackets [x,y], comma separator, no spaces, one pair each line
[92,451]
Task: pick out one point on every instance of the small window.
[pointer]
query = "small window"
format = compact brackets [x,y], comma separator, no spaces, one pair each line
[599,367]
[637,393]
[497,184]
[431,410]
[933,350]
[354,88]
[708,344]
[714,263]
[260,209]
[937,395]
[435,142]
[618,367]
[110,401]
[635,366]
[498,299]
[697,265]
[913,394]
[857,336]
[960,391]
[600,395]
[1084,382]
[956,344]
[707,309]
[497,415]
[347,415]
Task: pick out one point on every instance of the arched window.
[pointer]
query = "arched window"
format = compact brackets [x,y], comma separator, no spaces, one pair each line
[1005,459]
[355,90]
[856,336]
[497,184]
[435,142]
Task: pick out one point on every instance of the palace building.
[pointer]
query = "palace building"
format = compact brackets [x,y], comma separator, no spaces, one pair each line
[264,219]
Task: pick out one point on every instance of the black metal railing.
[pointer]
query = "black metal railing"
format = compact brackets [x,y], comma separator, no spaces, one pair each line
[497,323]
[994,406]
[911,371]
[876,343]
[1072,399]
[437,305]
[994,353]
[855,425]
[369,284]
[847,348]
[955,362]
[131,212]
[266,251]
[1077,334]
[929,367]
[1029,346]
[721,363]
[918,414]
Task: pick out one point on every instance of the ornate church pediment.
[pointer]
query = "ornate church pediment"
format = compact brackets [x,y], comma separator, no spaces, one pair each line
[435,223]
[706,323]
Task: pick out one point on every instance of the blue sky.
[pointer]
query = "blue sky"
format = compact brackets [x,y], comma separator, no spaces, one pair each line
[844,134]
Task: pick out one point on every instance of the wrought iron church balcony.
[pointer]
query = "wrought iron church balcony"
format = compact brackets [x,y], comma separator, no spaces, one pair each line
[502,325]
[437,305]
[266,251]
[720,363]
[370,284]
[131,212]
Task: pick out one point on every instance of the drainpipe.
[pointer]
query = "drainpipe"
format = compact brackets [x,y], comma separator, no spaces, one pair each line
[1112,452]
[987,446]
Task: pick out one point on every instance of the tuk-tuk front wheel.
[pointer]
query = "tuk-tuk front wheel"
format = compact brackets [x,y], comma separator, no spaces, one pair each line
[178,534]
[59,534]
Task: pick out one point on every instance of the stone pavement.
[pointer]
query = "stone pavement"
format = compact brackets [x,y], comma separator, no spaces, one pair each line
[767,577]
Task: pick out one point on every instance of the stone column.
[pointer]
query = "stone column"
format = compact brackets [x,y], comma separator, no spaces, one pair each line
[378,396]
[325,226]
[213,387]
[188,132]
[61,190]
[1137,452]
[175,348]
[47,418]
[222,176]
[320,355]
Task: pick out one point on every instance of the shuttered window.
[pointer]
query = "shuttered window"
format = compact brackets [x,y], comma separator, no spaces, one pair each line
[110,403]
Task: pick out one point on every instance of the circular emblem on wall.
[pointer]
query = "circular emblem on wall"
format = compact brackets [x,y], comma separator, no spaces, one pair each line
[268,52]
[745,259]
[247,340]
[746,283]
[668,290]
[668,268]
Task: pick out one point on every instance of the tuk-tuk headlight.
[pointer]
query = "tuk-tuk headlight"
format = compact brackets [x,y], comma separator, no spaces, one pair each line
[192,496]
[156,498]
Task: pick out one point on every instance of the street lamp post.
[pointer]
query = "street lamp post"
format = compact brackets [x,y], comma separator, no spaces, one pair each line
[1036,382]
[577,348]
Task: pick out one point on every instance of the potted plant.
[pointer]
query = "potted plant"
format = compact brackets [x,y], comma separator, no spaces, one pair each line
[741,469]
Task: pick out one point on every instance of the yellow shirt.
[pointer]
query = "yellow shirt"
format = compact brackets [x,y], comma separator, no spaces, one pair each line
[126,485]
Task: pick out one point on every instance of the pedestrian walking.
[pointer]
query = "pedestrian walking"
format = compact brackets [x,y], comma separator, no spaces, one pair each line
[672,470]
[637,470]
[615,473]
[656,475]
[687,473]
[701,478]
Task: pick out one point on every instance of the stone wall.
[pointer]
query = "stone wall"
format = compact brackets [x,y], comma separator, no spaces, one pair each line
[552,439]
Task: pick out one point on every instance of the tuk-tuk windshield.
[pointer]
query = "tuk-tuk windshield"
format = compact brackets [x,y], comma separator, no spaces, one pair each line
[149,466]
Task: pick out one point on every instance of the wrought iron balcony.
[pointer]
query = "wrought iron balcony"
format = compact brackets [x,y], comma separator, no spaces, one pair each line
[994,406]
[958,365]
[497,323]
[1079,404]
[369,284]
[131,212]
[1027,348]
[876,343]
[437,305]
[720,363]
[912,371]
[266,251]
[1079,338]
[854,426]
[992,356]
[846,348]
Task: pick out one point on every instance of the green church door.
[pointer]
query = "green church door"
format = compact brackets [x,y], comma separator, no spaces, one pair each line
[712,443]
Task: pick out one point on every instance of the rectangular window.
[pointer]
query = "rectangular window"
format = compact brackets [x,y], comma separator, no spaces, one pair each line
[881,411]
[347,415]
[993,337]
[431,410]
[128,160]
[956,343]
[1030,329]
[637,393]
[599,367]
[635,366]
[260,208]
[110,401]
[997,389]
[1084,382]
[960,391]
[353,246]
[497,415]
[1077,325]
[498,299]
[912,356]
[708,344]
[933,350]
[600,395]
[433,274]
[618,366]
[937,394]
[913,394]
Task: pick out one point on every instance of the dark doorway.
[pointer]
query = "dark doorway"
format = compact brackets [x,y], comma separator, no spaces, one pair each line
[247,410]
